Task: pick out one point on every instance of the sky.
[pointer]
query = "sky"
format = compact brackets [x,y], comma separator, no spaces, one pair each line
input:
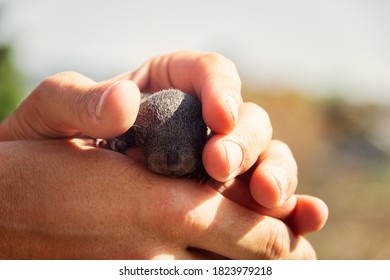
[317,47]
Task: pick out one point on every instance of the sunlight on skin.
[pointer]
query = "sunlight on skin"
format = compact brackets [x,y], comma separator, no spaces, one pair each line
[203,210]
[163,257]
[82,144]
[254,236]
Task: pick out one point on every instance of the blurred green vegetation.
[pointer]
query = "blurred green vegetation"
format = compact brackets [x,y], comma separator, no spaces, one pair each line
[10,83]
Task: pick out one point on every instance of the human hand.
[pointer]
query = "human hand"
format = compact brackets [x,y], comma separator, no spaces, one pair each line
[66,199]
[243,130]
[67,105]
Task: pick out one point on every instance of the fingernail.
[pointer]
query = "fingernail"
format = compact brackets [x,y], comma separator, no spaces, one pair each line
[234,157]
[100,103]
[233,106]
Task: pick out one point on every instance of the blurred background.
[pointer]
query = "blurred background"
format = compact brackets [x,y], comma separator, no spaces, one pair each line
[320,68]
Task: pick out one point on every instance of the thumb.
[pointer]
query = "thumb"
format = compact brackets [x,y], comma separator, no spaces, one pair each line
[68,104]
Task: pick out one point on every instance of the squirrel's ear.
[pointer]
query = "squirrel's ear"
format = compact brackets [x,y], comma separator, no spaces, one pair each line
[123,142]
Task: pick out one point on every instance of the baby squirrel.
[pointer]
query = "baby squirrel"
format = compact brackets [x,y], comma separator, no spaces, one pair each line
[170,130]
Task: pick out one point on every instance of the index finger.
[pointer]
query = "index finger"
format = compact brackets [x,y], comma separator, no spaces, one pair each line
[210,76]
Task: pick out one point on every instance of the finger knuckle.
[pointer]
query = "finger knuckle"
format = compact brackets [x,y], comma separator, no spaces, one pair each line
[260,134]
[213,57]
[266,121]
[278,243]
[281,146]
[215,60]
[259,113]
[53,81]
[283,150]
[293,182]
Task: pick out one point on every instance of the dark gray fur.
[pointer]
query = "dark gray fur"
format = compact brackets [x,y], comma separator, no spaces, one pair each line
[170,130]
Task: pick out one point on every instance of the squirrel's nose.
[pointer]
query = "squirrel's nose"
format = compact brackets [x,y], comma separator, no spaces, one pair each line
[173,162]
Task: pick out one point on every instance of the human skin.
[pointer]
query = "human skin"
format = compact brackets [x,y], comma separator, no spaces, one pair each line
[54,208]
[96,208]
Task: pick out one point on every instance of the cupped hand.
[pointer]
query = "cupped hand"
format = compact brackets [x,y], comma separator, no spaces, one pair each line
[66,199]
[243,130]
[253,170]
[69,104]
